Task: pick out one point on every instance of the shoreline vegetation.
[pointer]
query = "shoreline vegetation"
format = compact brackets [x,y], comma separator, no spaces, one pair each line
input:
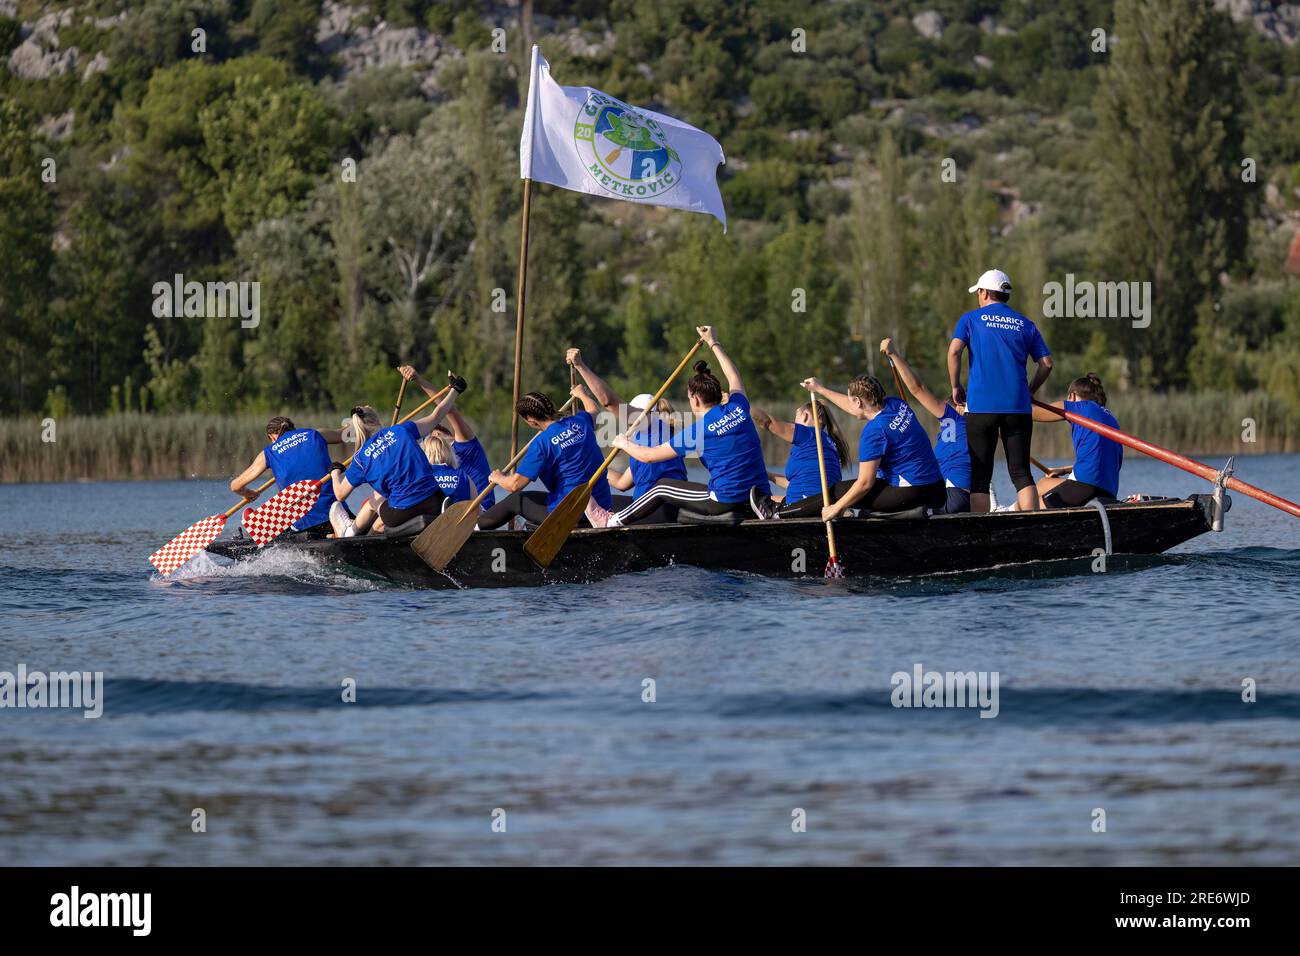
[135,447]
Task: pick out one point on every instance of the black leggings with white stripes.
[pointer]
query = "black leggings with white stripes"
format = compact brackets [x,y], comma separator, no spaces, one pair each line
[882,496]
[673,493]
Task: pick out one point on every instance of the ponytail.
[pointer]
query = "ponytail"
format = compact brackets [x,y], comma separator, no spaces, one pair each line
[831,429]
[704,385]
[365,422]
[1089,388]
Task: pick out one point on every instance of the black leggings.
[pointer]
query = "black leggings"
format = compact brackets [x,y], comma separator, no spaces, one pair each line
[983,429]
[531,505]
[882,496]
[664,514]
[679,495]
[1073,494]
[392,517]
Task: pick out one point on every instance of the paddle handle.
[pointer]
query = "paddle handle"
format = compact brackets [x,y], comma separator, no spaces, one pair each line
[821,467]
[645,411]
[898,379]
[1039,465]
[243,501]
[401,393]
[1200,469]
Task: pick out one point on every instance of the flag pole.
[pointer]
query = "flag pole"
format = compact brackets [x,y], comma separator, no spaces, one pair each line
[519,316]
[526,173]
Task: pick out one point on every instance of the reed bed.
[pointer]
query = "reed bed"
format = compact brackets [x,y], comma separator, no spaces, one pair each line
[149,447]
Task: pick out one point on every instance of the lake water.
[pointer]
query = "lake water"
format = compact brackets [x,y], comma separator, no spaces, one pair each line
[1119,691]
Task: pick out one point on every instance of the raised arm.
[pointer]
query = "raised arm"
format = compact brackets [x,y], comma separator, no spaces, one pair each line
[782,430]
[729,371]
[239,484]
[588,400]
[1043,415]
[599,387]
[914,385]
[425,425]
[460,429]
[839,399]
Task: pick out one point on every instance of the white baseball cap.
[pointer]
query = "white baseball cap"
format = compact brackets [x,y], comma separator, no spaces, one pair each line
[995,280]
[641,402]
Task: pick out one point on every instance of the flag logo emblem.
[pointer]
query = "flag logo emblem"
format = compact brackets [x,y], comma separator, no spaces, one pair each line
[624,151]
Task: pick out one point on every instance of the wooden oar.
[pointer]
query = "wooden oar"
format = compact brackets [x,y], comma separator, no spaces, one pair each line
[401,393]
[289,504]
[442,540]
[1039,465]
[1200,469]
[545,543]
[898,380]
[834,569]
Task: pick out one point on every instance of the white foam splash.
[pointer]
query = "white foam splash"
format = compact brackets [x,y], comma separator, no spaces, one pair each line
[269,563]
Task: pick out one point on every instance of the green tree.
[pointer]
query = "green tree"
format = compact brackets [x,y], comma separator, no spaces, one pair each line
[1169,144]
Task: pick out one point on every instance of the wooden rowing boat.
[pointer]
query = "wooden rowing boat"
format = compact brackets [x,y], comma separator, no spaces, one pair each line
[870,546]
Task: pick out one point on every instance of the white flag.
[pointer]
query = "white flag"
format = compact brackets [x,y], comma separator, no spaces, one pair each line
[590,142]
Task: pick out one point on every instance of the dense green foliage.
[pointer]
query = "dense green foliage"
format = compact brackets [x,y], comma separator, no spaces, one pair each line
[230,165]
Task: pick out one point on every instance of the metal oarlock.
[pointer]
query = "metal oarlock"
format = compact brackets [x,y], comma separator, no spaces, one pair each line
[1221,501]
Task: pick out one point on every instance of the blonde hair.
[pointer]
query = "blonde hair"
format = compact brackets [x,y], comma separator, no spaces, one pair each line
[437,448]
[365,422]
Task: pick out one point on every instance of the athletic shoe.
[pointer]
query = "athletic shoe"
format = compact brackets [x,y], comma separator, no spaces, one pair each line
[762,504]
[341,521]
[598,516]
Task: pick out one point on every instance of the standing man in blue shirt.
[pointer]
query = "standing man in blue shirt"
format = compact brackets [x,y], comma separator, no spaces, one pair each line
[1001,341]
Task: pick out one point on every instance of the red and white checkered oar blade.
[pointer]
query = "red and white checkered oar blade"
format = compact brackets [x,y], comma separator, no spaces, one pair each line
[281,510]
[187,544]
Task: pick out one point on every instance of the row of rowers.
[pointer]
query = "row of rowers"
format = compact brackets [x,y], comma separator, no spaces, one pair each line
[417,467]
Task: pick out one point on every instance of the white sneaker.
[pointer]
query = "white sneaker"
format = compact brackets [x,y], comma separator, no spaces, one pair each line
[341,521]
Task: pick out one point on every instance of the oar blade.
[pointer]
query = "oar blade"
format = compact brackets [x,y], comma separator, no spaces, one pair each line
[545,543]
[187,544]
[442,540]
[834,569]
[281,510]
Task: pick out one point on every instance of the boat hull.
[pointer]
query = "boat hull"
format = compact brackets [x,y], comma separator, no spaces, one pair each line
[886,547]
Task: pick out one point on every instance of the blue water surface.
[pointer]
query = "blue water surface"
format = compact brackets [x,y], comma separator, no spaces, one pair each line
[1118,691]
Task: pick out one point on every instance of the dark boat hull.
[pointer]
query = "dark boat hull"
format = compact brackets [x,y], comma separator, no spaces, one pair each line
[781,549]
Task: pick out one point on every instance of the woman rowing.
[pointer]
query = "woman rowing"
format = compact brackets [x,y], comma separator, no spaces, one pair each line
[723,436]
[295,454]
[562,456]
[466,450]
[391,461]
[1097,460]
[897,470]
[802,477]
[950,448]
[656,429]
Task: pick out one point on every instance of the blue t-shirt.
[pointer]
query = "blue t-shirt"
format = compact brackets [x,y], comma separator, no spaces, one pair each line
[1097,460]
[1001,340]
[302,455]
[902,445]
[801,469]
[646,474]
[474,460]
[393,463]
[950,448]
[729,447]
[564,456]
[454,482]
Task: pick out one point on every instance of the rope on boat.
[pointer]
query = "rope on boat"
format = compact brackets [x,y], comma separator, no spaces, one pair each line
[1105,522]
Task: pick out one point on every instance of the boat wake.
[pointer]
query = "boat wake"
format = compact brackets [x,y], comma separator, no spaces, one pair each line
[274,570]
